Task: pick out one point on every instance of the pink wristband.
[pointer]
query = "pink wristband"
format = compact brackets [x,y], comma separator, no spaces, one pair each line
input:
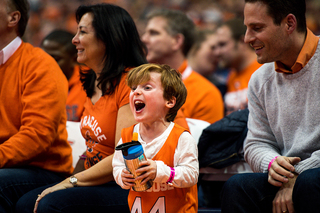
[82,157]
[272,162]
[171,175]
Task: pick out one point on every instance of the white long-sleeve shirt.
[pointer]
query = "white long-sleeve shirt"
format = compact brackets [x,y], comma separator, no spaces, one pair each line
[185,160]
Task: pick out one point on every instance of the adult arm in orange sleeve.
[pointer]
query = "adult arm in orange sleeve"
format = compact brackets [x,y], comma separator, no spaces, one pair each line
[41,98]
[204,100]
[101,172]
[211,108]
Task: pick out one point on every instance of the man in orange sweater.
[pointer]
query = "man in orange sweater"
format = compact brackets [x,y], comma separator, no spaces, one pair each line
[58,44]
[169,36]
[33,90]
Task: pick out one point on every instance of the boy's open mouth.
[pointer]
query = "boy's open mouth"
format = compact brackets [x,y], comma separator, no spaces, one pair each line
[139,105]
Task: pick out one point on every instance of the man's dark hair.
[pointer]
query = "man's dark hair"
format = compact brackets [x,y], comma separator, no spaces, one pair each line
[63,38]
[23,7]
[279,9]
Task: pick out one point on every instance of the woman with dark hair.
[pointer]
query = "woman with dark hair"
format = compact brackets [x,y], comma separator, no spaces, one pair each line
[107,41]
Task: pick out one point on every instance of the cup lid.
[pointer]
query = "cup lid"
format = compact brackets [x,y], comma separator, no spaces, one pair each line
[134,152]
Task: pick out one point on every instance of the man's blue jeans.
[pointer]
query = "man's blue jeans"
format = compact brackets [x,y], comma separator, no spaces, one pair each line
[104,198]
[15,182]
[251,192]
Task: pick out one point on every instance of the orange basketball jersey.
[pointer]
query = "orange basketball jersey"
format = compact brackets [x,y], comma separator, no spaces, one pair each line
[162,197]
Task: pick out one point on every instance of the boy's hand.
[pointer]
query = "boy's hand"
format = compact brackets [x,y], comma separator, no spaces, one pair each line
[148,171]
[127,178]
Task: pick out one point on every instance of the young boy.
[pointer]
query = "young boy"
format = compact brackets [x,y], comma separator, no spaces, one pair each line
[157,93]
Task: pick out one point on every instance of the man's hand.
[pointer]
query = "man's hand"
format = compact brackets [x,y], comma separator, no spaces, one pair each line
[281,169]
[283,199]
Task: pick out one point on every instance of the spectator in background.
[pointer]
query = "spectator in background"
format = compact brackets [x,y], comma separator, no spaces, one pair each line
[169,36]
[58,44]
[233,53]
[282,145]
[33,90]
[202,57]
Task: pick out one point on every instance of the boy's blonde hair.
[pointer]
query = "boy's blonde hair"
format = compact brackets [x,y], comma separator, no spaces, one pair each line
[170,80]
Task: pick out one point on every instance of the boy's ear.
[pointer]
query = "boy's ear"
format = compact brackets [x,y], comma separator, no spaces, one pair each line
[170,103]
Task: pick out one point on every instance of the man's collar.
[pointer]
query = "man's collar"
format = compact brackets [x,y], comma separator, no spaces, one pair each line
[306,53]
[9,50]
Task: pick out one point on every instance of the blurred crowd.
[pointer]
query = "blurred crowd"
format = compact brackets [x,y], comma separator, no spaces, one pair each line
[47,15]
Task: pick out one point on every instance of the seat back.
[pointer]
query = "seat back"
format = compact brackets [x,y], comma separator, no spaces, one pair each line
[196,127]
[76,141]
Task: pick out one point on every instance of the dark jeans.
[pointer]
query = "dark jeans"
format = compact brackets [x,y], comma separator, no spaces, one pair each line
[251,192]
[209,193]
[104,198]
[15,182]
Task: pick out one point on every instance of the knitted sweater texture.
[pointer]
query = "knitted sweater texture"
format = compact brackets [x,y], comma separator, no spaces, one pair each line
[284,116]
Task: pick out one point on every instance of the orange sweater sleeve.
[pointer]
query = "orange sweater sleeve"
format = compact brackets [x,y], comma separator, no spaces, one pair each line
[32,112]
[204,100]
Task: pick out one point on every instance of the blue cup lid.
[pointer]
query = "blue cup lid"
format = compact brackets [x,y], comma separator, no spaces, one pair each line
[134,152]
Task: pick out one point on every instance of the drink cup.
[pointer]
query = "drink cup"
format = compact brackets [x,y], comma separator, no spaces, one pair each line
[133,154]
